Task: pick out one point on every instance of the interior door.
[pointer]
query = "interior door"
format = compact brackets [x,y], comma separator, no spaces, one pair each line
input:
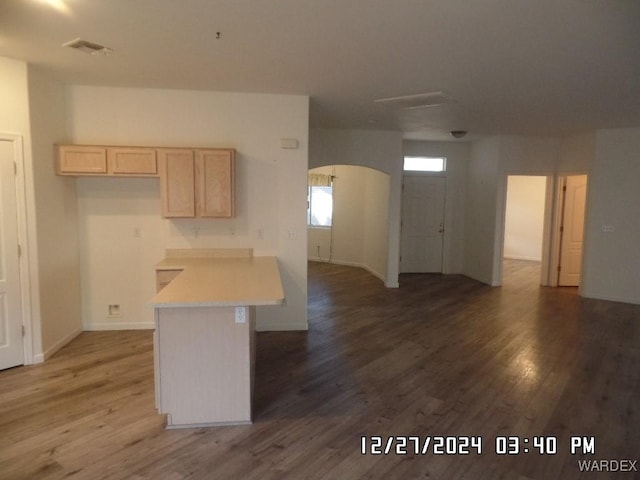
[572,230]
[11,347]
[422,223]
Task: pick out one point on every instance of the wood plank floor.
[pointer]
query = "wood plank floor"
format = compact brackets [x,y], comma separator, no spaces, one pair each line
[441,355]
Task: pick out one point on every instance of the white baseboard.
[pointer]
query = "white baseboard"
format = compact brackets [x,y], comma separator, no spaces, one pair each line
[97,327]
[633,301]
[38,358]
[262,326]
[491,283]
[56,346]
[374,273]
[353,264]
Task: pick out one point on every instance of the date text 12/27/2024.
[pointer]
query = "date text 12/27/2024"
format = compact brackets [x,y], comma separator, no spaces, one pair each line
[473,445]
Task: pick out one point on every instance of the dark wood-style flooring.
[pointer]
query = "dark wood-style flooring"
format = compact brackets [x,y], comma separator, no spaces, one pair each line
[440,356]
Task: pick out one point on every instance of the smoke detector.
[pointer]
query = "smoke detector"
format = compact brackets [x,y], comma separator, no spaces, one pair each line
[458,133]
[88,47]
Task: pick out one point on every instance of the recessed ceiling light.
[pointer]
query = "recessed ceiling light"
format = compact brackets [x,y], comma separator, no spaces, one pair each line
[88,47]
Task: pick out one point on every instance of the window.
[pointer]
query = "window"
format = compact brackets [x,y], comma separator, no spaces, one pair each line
[424,164]
[319,206]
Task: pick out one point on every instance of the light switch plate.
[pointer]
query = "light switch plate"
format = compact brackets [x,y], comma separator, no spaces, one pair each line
[241,314]
[291,143]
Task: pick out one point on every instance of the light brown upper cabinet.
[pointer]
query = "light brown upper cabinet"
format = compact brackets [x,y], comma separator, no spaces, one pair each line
[132,161]
[197,182]
[177,188]
[81,160]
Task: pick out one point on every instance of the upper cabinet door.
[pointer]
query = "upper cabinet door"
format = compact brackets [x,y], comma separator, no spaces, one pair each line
[177,176]
[132,161]
[215,183]
[81,160]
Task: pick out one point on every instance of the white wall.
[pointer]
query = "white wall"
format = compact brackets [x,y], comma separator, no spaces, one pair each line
[56,217]
[528,155]
[33,109]
[577,153]
[117,266]
[376,222]
[611,266]
[524,220]
[380,150]
[348,220]
[457,155]
[481,212]
[359,233]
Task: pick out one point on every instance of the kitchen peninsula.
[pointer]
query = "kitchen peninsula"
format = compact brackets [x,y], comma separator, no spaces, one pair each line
[204,342]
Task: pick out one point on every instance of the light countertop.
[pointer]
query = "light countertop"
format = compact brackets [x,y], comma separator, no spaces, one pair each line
[221,282]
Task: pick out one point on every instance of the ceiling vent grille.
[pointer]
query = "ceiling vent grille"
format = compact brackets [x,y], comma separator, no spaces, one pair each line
[420,100]
[88,47]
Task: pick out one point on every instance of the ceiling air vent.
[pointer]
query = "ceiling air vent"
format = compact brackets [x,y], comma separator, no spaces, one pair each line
[88,47]
[420,100]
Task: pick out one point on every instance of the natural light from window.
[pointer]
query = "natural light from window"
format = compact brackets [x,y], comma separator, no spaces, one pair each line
[424,164]
[320,206]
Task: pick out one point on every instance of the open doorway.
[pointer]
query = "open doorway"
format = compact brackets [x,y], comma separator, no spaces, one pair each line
[524,229]
[347,217]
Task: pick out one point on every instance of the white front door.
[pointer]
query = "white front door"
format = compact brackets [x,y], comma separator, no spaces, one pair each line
[575,196]
[422,224]
[11,347]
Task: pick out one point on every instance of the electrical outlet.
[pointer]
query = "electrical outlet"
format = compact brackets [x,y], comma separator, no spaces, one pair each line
[114,310]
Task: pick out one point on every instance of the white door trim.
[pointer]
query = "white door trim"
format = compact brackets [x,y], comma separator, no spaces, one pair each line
[556,236]
[23,240]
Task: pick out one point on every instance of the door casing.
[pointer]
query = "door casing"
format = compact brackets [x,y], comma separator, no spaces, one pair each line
[23,240]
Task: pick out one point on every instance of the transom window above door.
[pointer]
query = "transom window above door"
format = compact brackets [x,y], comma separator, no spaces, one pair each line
[424,164]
